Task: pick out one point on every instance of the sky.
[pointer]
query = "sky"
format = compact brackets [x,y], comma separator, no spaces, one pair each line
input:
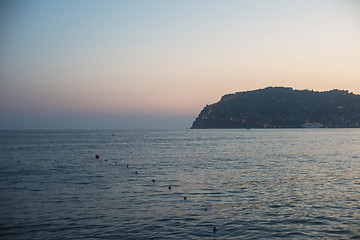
[121,64]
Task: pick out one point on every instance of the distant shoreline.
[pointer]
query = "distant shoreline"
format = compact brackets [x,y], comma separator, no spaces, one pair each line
[280,107]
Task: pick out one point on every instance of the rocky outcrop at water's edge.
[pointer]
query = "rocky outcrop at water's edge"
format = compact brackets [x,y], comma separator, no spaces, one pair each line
[281,107]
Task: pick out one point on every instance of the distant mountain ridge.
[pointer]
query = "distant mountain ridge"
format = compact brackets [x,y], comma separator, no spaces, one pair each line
[281,107]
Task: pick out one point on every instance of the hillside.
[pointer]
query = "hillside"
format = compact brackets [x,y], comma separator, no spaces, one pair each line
[280,107]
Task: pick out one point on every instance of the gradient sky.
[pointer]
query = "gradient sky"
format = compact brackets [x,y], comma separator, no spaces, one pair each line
[156,64]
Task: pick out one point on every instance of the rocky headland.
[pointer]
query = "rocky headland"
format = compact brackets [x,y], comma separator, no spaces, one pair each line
[282,107]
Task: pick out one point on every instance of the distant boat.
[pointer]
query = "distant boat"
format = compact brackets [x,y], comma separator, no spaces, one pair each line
[313,125]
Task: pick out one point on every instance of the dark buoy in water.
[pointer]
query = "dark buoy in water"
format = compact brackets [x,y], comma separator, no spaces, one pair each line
[214,229]
[18,161]
[136,172]
[169,187]
[153,180]
[97,156]
[185,198]
[127,166]
[115,162]
[205,209]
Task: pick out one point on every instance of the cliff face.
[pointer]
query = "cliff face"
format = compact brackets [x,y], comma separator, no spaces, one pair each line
[275,107]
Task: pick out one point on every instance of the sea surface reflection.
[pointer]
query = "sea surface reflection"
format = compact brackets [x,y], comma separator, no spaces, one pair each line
[250,184]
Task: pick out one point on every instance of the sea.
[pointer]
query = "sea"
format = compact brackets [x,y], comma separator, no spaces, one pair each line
[180,184]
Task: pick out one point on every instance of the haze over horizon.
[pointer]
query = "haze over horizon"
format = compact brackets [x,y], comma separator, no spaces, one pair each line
[156,64]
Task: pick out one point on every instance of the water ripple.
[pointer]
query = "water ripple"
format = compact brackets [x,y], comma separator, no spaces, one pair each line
[257,184]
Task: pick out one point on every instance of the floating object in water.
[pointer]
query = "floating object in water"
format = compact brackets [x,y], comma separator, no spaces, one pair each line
[153,180]
[115,162]
[214,229]
[18,161]
[136,172]
[105,160]
[169,187]
[127,166]
[185,198]
[55,160]
[205,209]
[97,156]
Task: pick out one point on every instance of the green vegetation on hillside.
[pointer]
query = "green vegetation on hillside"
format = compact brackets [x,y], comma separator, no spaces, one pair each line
[280,107]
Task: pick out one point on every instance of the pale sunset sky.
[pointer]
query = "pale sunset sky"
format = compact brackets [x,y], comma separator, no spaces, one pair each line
[157,63]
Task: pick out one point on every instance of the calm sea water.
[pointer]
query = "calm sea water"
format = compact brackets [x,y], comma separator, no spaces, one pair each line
[250,184]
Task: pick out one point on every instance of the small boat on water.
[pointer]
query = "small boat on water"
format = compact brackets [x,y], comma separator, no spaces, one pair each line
[313,125]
